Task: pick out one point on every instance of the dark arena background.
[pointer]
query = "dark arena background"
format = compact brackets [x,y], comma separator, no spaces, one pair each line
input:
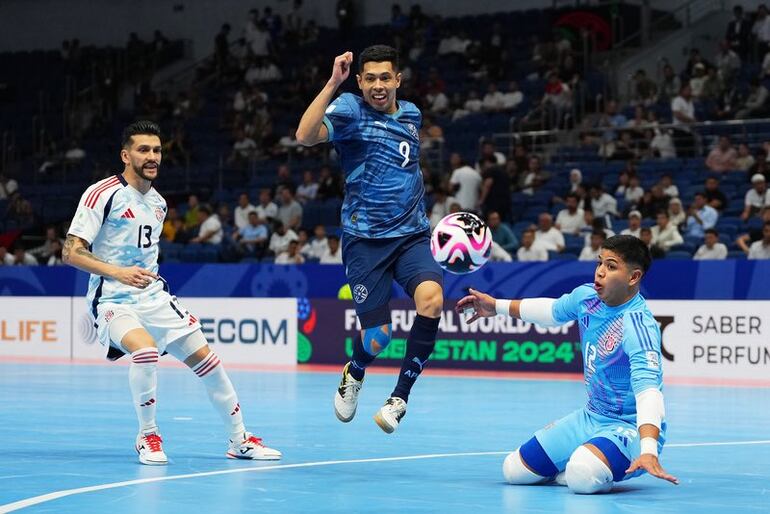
[575,120]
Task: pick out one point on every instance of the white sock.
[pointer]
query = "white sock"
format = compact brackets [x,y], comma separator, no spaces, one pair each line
[143,380]
[222,394]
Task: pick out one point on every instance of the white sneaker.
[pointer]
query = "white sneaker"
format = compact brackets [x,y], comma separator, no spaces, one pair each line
[150,449]
[390,414]
[251,448]
[346,397]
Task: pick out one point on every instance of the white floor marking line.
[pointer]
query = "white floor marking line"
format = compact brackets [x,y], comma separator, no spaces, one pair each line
[35,500]
[726,443]
[10,507]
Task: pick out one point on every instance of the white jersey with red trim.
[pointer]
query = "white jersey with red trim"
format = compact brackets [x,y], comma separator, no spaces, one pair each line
[123,227]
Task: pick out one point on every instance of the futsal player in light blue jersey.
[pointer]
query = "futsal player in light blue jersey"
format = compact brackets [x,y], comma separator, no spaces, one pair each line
[386,234]
[620,432]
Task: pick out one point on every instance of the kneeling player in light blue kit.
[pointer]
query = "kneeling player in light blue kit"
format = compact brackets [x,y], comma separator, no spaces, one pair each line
[620,432]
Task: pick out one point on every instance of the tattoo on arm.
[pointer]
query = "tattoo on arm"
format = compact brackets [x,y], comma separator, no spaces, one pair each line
[80,250]
[79,246]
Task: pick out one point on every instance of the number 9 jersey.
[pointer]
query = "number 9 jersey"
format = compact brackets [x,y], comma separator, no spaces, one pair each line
[123,227]
[380,157]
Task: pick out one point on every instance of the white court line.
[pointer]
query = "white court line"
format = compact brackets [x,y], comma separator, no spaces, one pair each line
[726,443]
[35,500]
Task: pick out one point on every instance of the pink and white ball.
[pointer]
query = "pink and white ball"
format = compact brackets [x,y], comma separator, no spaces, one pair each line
[461,243]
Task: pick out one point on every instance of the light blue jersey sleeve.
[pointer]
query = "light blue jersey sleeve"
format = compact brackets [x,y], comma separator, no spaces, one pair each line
[641,342]
[567,308]
[342,117]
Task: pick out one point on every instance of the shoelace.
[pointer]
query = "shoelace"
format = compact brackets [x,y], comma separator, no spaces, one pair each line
[351,385]
[254,440]
[154,441]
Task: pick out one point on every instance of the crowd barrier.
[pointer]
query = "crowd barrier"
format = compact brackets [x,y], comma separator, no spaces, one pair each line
[714,317]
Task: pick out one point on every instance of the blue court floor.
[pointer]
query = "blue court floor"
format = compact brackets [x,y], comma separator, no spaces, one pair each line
[67,435]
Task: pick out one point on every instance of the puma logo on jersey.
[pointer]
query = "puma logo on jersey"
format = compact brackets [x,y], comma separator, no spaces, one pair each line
[128,214]
[384,125]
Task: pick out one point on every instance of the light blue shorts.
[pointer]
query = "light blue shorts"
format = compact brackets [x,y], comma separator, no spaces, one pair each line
[563,437]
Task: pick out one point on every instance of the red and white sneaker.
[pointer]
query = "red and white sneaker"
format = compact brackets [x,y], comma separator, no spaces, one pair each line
[150,449]
[251,448]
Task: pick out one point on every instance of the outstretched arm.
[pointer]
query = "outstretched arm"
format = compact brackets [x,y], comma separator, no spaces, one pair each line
[311,129]
[648,460]
[75,252]
[541,311]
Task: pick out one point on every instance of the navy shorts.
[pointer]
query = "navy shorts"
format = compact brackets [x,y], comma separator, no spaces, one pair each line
[372,264]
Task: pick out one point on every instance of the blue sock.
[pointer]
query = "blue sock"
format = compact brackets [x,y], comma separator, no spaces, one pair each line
[361,359]
[419,346]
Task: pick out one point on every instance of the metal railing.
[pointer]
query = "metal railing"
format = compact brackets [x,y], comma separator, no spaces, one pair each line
[561,146]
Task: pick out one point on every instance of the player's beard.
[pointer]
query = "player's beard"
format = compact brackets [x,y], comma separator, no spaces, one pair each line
[142,173]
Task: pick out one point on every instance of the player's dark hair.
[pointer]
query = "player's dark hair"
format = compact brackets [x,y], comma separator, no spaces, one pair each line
[631,249]
[378,53]
[142,127]
[711,231]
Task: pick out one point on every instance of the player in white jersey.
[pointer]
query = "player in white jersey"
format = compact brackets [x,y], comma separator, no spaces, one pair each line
[114,236]
[621,430]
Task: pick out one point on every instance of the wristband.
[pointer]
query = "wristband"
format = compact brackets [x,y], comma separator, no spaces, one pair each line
[649,445]
[503,307]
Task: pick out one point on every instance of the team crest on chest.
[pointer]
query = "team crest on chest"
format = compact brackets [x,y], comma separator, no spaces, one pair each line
[159,213]
[610,343]
[413,130]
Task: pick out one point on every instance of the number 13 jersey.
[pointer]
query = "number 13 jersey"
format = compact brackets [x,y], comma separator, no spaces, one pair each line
[123,227]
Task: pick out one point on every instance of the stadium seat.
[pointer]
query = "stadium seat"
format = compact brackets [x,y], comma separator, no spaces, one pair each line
[684,247]
[736,254]
[674,255]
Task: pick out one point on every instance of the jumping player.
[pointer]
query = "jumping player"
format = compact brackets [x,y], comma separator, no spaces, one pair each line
[620,432]
[114,236]
[386,234]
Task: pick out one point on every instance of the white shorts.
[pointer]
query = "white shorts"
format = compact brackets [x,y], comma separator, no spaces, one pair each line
[164,318]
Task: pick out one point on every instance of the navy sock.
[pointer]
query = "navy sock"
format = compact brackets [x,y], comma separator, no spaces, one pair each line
[419,346]
[361,359]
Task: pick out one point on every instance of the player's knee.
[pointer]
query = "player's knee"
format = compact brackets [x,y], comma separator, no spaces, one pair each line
[376,339]
[430,301]
[517,473]
[586,473]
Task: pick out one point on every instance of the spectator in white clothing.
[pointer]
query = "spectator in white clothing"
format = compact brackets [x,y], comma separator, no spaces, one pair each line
[241,214]
[571,219]
[8,186]
[320,242]
[494,100]
[668,186]
[761,249]
[634,192]
[308,189]
[602,203]
[266,210]
[530,251]
[757,198]
[279,241]
[291,255]
[634,224]
[22,258]
[548,236]
[333,253]
[465,182]
[210,231]
[665,234]
[711,249]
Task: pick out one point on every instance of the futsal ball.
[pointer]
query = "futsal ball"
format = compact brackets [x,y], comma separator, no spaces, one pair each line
[461,243]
